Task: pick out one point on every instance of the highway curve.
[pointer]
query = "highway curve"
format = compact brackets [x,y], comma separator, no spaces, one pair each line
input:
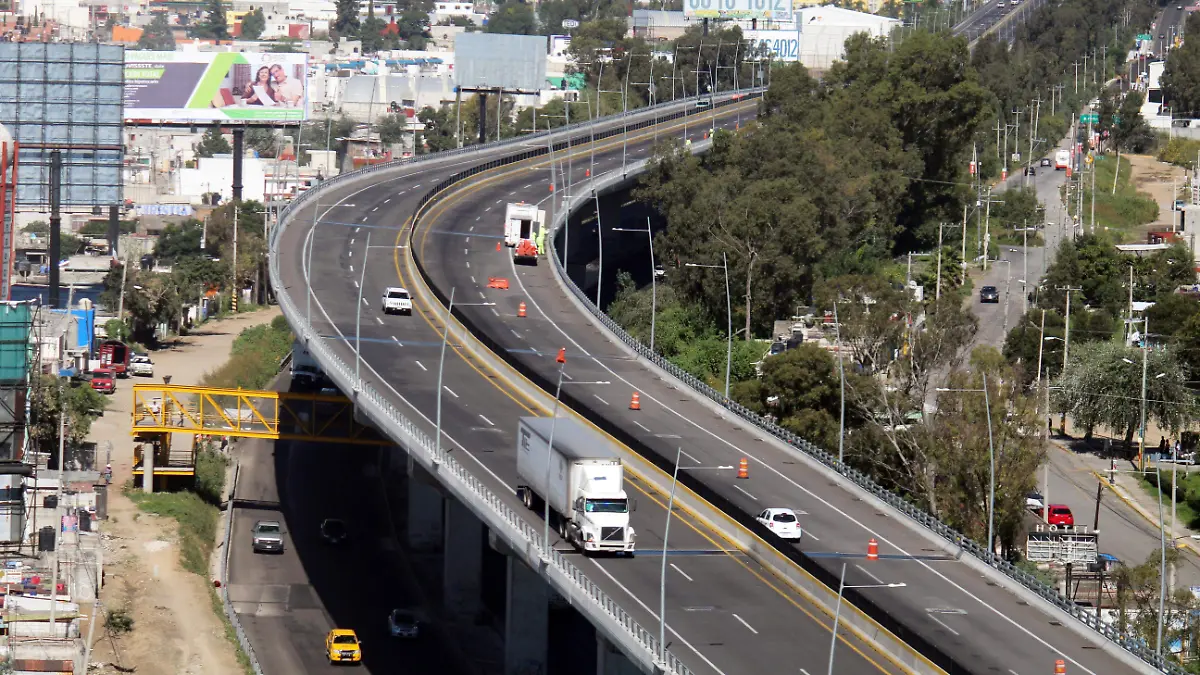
[725,614]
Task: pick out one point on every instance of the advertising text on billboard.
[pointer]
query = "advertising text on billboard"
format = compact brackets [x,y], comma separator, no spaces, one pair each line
[216,87]
[782,45]
[778,10]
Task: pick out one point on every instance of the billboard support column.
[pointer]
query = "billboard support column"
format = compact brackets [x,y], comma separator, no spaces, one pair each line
[239,134]
[458,116]
[55,226]
[114,230]
[482,117]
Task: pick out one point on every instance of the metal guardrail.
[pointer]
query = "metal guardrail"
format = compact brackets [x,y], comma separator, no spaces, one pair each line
[1051,595]
[502,518]
[234,619]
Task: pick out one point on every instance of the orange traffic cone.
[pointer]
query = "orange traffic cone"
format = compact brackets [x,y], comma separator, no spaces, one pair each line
[743,468]
[497,246]
[1060,667]
[521,310]
[635,403]
[587,173]
[552,187]
[872,549]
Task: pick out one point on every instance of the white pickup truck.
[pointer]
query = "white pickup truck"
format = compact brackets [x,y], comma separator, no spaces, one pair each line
[396,299]
[140,364]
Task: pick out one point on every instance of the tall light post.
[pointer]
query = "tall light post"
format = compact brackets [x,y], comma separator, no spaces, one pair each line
[728,314]
[987,408]
[653,275]
[358,319]
[662,581]
[837,612]
[562,364]
[437,444]
[837,327]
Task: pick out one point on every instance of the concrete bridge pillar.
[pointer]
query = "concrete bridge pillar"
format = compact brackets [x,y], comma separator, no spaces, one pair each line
[425,511]
[526,621]
[462,554]
[612,661]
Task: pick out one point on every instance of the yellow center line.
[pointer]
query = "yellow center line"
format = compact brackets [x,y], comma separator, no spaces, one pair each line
[435,319]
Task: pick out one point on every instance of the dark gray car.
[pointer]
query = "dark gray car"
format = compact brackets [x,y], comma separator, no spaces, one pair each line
[267,537]
[989,294]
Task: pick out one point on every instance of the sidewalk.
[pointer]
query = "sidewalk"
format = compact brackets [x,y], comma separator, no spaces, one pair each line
[175,628]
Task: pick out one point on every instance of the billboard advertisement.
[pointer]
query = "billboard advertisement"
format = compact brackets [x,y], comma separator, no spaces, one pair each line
[514,63]
[216,87]
[782,45]
[776,10]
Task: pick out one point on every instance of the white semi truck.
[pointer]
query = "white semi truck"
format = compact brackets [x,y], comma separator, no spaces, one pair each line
[581,479]
[306,374]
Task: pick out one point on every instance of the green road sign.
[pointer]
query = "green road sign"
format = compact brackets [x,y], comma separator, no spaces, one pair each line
[1089,118]
[1145,37]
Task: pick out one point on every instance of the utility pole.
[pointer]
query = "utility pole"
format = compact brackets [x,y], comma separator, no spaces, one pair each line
[1076,64]
[963,262]
[937,294]
[1025,270]
[1016,131]
[987,222]
[1067,329]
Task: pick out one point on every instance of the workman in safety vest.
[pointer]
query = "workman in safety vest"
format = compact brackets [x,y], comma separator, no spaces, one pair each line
[541,240]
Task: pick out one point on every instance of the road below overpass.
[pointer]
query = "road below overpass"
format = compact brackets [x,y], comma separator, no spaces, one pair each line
[725,626]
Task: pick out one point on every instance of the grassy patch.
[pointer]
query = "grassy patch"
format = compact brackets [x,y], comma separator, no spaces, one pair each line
[1126,209]
[1179,151]
[230,633]
[255,356]
[194,510]
[1189,486]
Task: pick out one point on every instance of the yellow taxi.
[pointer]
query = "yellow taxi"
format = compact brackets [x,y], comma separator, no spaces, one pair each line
[342,646]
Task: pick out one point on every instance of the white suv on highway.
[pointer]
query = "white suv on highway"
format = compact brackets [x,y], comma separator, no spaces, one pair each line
[396,299]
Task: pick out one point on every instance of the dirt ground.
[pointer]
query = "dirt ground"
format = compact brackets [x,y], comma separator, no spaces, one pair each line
[1155,179]
[175,628]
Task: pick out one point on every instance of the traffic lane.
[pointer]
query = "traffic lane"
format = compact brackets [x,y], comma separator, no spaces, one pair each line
[1123,532]
[486,195]
[358,582]
[711,601]
[258,582]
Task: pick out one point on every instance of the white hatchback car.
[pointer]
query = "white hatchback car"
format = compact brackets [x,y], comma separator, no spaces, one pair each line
[782,522]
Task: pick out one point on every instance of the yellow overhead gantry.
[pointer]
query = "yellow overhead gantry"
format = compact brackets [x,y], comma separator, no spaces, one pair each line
[160,410]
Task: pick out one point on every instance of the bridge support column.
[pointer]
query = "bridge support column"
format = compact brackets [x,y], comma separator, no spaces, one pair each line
[462,576]
[526,621]
[612,661]
[425,511]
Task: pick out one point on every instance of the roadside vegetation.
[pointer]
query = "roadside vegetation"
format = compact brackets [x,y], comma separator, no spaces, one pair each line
[1117,211]
[254,358]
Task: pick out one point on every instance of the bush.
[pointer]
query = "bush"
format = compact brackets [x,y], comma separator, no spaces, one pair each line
[197,523]
[1180,152]
[118,622]
[255,356]
[210,475]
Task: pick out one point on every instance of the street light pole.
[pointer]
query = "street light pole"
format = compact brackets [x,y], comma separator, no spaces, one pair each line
[653,275]
[437,444]
[837,327]
[837,612]
[662,581]
[358,318]
[562,364]
[987,407]
[728,314]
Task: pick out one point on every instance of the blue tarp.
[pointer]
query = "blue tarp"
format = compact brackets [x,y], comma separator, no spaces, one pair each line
[86,334]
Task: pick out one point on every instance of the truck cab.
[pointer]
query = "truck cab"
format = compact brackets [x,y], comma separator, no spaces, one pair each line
[1062,160]
[601,522]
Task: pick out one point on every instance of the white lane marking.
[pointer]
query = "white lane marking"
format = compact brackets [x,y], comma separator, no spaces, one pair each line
[514,332]
[379,320]
[512,193]
[467,241]
[397,341]
[495,312]
[654,616]
[1013,672]
[943,625]
[365,302]
[739,489]
[478,217]
[685,574]
[804,672]
[869,573]
[600,399]
[375,209]
[471,228]
[387,200]
[743,622]
[466,252]
[355,281]
[489,422]
[831,507]
[450,390]
[468,264]
[641,425]
[356,229]
[351,241]
[364,219]
[352,269]
[488,209]
[482,295]
[527,186]
[421,365]
[810,535]
[568,376]
[473,279]
[689,456]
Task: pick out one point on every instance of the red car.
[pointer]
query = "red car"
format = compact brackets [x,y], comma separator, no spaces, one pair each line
[104,380]
[1060,514]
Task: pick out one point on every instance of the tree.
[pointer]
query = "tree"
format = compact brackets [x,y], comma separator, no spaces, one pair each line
[392,128]
[265,142]
[215,25]
[1102,383]
[1131,133]
[179,241]
[213,143]
[800,388]
[151,298]
[513,18]
[157,35]
[346,24]
[1181,76]
[253,24]
[439,132]
[83,406]
[372,34]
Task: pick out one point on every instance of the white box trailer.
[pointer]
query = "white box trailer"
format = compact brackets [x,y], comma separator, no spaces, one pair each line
[522,222]
[306,373]
[580,478]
